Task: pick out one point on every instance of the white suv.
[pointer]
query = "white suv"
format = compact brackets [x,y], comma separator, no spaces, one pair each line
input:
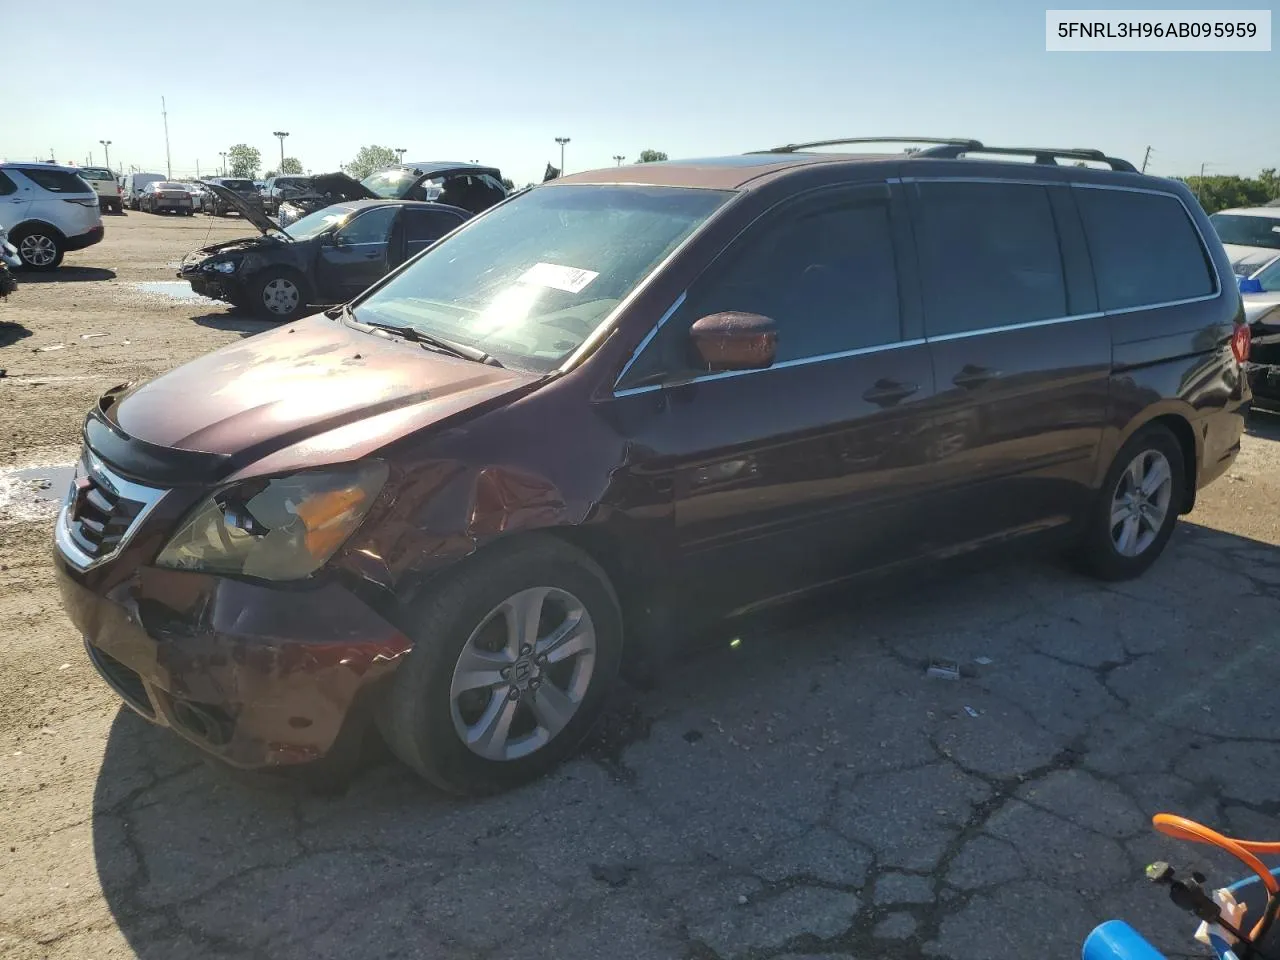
[47,210]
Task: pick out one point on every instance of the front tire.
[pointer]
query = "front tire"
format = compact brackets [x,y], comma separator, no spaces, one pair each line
[278,295]
[39,248]
[1133,518]
[512,663]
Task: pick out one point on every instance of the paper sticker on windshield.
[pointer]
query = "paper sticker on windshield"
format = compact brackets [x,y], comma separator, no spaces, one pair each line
[568,279]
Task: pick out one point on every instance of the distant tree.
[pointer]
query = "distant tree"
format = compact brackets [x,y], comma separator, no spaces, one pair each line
[269,174]
[652,156]
[506,182]
[369,159]
[1223,192]
[291,165]
[244,161]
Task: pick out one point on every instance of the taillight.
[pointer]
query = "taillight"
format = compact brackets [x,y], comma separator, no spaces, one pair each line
[1240,343]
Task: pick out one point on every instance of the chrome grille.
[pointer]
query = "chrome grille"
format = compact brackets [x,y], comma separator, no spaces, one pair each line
[100,512]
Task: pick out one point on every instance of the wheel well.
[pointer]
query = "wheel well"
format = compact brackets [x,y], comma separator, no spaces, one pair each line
[1186,437]
[26,225]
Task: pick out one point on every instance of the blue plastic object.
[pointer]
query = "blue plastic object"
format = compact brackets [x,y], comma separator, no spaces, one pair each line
[1250,285]
[1116,940]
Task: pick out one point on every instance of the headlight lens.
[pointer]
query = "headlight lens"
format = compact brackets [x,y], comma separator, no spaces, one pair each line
[282,528]
[224,266]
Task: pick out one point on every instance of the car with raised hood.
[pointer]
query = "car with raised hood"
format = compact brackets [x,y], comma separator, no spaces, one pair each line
[49,210]
[1251,236]
[103,181]
[466,185]
[1261,294]
[325,258]
[275,190]
[632,398]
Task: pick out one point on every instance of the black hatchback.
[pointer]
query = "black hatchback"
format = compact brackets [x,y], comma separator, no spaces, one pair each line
[325,258]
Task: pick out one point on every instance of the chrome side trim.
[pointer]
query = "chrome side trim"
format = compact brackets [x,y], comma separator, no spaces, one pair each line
[1013,326]
[147,496]
[799,362]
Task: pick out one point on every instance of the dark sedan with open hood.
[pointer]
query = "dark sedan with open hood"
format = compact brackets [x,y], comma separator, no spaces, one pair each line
[466,185]
[326,257]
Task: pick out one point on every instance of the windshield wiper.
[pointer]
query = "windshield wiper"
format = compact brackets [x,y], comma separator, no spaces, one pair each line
[427,340]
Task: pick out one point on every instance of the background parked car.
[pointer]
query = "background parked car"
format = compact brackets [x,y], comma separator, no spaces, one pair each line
[466,185]
[199,194]
[278,189]
[49,210]
[133,184]
[246,190]
[1251,236]
[327,257]
[105,186]
[166,196]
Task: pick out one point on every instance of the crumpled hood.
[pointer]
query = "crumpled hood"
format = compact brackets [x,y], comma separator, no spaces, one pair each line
[276,389]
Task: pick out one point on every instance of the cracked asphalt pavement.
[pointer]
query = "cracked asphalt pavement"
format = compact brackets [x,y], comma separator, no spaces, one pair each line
[809,792]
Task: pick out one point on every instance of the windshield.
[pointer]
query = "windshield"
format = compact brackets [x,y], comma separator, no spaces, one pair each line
[390,184]
[529,281]
[314,224]
[1247,230]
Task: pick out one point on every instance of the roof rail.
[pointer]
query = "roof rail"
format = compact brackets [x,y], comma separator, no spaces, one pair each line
[793,147]
[1049,155]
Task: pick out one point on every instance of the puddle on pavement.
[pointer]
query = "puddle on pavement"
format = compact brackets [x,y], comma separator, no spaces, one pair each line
[33,493]
[178,290]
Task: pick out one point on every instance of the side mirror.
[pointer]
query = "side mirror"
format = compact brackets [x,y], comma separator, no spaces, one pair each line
[735,341]
[337,240]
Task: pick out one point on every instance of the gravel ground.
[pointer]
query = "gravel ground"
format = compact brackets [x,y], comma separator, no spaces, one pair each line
[806,793]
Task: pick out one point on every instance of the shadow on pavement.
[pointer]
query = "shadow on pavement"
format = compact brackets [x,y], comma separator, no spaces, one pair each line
[235,321]
[794,792]
[66,274]
[1264,424]
[11,333]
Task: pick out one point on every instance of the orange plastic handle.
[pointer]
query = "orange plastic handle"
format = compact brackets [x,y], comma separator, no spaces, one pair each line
[1180,828]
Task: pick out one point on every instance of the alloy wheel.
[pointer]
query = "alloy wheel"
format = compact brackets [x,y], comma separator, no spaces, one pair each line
[1140,503]
[523,673]
[38,250]
[280,296]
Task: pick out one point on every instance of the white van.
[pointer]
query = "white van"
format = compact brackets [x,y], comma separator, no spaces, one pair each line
[133,184]
[47,210]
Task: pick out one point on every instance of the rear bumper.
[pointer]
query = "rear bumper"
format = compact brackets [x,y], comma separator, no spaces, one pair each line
[257,676]
[86,239]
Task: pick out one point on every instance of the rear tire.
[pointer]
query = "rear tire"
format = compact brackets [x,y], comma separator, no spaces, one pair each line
[39,248]
[1133,517]
[469,620]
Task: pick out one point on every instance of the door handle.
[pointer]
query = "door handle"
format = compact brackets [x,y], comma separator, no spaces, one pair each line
[888,392]
[971,377]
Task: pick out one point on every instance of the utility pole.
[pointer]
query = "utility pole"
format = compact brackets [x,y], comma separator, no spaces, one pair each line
[1145,158]
[562,141]
[197,169]
[281,134]
[106,149]
[223,154]
[168,163]
[619,157]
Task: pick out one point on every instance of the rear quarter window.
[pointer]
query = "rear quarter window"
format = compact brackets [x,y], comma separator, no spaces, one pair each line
[1145,248]
[56,181]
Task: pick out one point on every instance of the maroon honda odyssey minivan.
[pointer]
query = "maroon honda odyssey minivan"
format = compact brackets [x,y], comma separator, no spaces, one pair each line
[630,395]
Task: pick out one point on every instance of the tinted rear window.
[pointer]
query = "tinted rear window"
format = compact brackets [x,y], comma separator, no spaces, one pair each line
[96,173]
[989,255]
[57,181]
[1145,248]
[238,184]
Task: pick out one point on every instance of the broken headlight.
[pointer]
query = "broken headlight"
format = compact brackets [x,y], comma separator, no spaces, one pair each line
[279,528]
[222,266]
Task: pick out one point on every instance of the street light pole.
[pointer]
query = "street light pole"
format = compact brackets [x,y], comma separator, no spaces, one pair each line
[400,152]
[281,134]
[562,141]
[619,157]
[223,154]
[106,148]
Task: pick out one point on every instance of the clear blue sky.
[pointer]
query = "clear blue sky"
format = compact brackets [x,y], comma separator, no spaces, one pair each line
[691,77]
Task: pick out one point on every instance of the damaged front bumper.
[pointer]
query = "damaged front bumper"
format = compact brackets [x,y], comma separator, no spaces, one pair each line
[215,286]
[257,675]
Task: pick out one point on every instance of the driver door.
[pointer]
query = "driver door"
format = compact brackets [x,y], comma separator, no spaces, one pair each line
[354,257]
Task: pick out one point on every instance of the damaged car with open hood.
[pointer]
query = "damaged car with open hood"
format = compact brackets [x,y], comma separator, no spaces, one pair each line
[467,185]
[326,257]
